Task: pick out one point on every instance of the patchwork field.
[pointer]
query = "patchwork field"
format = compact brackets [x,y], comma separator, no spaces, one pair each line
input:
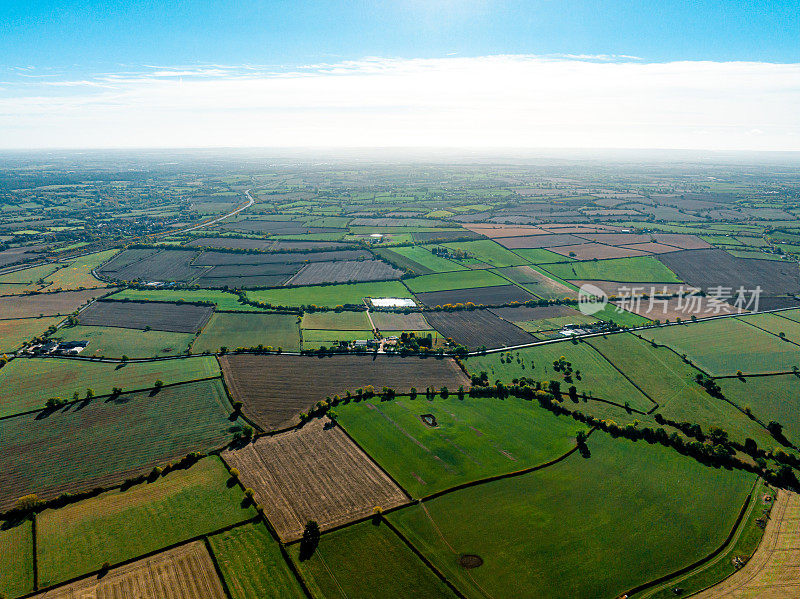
[344,271]
[222,299]
[531,525]
[454,280]
[78,273]
[418,259]
[394,321]
[480,296]
[478,328]
[344,565]
[336,321]
[329,296]
[115,342]
[724,346]
[312,473]
[459,441]
[49,453]
[275,389]
[28,383]
[252,564]
[175,318]
[119,525]
[186,571]
[234,330]
[14,333]
[46,304]
[489,252]
[538,283]
[16,558]
[641,269]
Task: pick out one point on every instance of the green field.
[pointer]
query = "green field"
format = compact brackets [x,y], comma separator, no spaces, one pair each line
[336,321]
[313,338]
[488,251]
[598,377]
[776,324]
[541,256]
[419,259]
[29,276]
[329,296]
[367,561]
[16,558]
[222,299]
[252,564]
[638,269]
[770,398]
[14,333]
[582,528]
[556,323]
[107,440]
[79,272]
[120,525]
[610,313]
[474,438]
[115,342]
[455,280]
[726,345]
[28,383]
[248,330]
[671,383]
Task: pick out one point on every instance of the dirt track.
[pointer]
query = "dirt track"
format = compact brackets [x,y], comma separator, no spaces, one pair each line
[774,570]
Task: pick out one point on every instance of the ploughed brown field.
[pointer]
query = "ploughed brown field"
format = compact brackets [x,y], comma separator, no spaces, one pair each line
[159,316]
[313,473]
[275,389]
[185,572]
[46,304]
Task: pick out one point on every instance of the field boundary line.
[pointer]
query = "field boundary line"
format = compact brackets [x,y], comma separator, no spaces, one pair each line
[370,458]
[126,562]
[626,377]
[703,560]
[757,375]
[439,574]
[35,544]
[220,575]
[106,396]
[229,395]
[769,332]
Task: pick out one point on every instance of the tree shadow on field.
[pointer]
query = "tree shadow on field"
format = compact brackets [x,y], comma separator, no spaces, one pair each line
[12,522]
[155,391]
[583,449]
[121,365]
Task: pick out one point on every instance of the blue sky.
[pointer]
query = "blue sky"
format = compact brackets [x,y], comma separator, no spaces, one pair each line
[613,73]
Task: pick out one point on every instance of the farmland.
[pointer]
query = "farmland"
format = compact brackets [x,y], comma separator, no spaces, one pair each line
[119,525]
[392,321]
[538,283]
[472,438]
[275,389]
[345,563]
[14,333]
[454,280]
[28,383]
[489,252]
[16,558]
[329,296]
[185,571]
[478,328]
[252,564]
[336,321]
[78,273]
[47,453]
[531,524]
[232,330]
[312,473]
[344,271]
[175,318]
[46,304]
[223,300]
[480,296]
[643,269]
[419,260]
[116,342]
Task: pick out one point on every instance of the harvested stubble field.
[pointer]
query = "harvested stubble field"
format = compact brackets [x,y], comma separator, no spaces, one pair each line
[185,572]
[336,321]
[105,441]
[275,389]
[175,318]
[46,304]
[478,328]
[394,321]
[677,307]
[714,267]
[480,296]
[312,473]
[14,333]
[526,313]
[252,564]
[28,383]
[538,241]
[116,526]
[344,565]
[233,330]
[596,251]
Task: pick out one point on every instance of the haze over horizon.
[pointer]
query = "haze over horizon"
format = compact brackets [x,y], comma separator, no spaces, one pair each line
[470,74]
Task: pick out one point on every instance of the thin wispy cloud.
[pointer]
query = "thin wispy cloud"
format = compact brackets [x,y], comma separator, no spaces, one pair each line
[484,101]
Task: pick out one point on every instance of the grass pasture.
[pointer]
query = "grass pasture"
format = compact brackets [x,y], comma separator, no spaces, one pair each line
[16,558]
[14,333]
[639,269]
[329,296]
[345,565]
[488,251]
[29,382]
[79,273]
[120,525]
[473,438]
[115,342]
[221,299]
[100,442]
[252,564]
[234,330]
[336,321]
[419,259]
[454,280]
[628,506]
[723,346]
[538,283]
